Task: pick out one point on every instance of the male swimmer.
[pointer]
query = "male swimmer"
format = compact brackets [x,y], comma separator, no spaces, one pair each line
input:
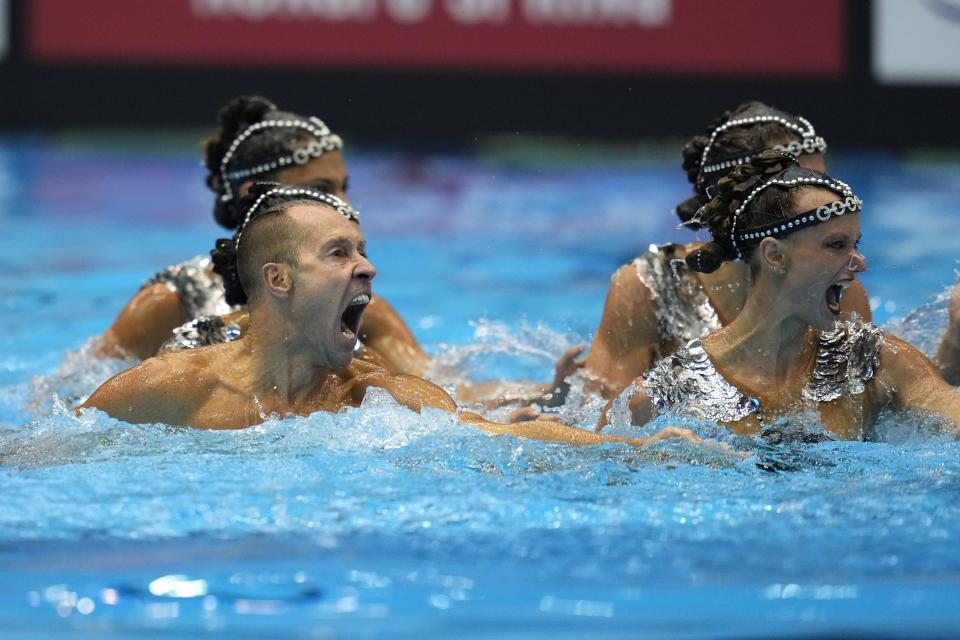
[299,260]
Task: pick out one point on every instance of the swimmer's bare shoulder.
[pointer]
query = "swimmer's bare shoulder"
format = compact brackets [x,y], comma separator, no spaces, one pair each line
[910,381]
[171,388]
[627,337]
[143,324]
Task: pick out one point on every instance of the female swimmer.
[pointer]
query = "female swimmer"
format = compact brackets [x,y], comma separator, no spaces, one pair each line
[656,303]
[788,351]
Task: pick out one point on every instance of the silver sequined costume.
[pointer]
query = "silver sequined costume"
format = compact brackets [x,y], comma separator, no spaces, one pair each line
[203,300]
[200,292]
[201,332]
[683,310]
[687,381]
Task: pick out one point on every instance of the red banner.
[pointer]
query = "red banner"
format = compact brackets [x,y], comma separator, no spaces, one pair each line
[743,37]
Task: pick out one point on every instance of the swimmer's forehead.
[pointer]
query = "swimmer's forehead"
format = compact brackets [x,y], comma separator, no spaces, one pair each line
[320,223]
[812,197]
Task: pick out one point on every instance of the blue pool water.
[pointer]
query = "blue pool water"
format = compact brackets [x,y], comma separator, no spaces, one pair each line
[381,523]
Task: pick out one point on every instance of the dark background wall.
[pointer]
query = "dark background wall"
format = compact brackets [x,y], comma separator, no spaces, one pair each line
[450,107]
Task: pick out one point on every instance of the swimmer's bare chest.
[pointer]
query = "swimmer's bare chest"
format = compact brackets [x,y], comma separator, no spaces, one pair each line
[230,407]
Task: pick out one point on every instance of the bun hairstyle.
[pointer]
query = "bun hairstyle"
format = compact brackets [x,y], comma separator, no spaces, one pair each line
[263,199]
[224,258]
[258,138]
[735,137]
[770,205]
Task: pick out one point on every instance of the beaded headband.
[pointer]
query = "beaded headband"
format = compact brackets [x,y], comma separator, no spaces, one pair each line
[821,214]
[331,201]
[324,141]
[810,142]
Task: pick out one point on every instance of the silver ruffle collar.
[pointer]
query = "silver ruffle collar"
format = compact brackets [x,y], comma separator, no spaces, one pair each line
[687,381]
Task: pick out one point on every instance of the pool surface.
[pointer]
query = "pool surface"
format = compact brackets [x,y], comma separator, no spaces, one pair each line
[381,523]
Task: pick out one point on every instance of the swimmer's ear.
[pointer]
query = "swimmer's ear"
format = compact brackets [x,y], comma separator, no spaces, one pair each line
[277,279]
[245,188]
[772,256]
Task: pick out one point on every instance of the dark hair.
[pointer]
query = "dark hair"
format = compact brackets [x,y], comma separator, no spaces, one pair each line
[261,147]
[732,143]
[278,244]
[770,205]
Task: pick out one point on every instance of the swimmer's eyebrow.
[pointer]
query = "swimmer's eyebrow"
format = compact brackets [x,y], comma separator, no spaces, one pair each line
[840,235]
[341,241]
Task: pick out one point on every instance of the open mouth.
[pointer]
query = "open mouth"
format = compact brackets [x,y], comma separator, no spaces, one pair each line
[353,314]
[834,295]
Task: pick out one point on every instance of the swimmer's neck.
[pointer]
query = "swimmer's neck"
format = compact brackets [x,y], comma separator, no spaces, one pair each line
[764,340]
[281,363]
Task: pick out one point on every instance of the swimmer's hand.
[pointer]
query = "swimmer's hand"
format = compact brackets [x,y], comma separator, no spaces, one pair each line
[567,365]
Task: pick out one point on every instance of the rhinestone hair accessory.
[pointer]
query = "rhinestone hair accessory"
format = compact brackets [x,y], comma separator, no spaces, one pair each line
[324,142]
[821,214]
[331,201]
[810,142]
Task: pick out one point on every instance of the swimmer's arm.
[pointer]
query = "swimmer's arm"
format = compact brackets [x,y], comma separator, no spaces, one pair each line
[948,355]
[410,391]
[143,325]
[855,300]
[385,331]
[916,383]
[147,393]
[641,409]
[416,393]
[627,337]
[556,432]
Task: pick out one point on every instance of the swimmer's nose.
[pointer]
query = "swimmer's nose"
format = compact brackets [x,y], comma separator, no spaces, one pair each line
[858,263]
[365,269]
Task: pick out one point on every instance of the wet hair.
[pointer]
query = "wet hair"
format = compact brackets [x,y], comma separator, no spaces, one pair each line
[268,236]
[768,207]
[263,151]
[731,144]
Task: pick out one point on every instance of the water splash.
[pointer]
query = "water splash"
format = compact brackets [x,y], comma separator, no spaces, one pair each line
[80,374]
[524,350]
[924,326]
